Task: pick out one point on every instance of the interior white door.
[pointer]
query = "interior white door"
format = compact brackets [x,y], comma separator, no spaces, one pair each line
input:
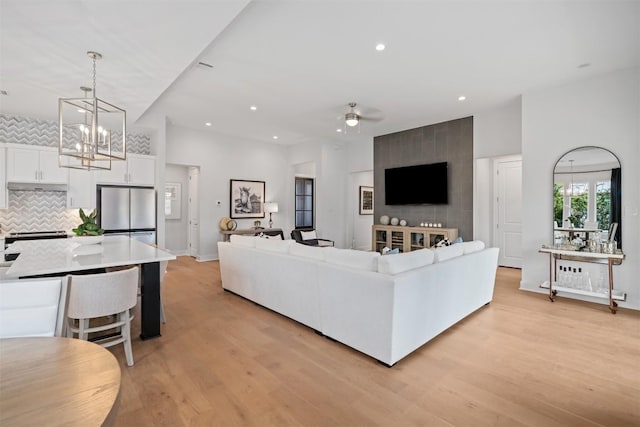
[194,218]
[508,211]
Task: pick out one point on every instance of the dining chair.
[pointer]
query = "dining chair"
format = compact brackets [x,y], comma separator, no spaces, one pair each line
[106,296]
[163,272]
[32,307]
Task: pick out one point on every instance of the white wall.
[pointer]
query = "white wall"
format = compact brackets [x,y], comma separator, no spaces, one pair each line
[496,134]
[220,159]
[177,230]
[602,111]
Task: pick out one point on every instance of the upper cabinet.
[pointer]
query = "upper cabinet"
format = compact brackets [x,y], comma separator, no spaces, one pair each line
[81,190]
[138,169]
[34,164]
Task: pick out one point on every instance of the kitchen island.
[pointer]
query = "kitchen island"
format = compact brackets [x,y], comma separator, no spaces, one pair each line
[57,257]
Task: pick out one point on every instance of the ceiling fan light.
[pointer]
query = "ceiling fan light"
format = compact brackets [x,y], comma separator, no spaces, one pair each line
[351,119]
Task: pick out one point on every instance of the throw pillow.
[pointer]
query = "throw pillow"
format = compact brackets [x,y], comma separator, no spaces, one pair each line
[308,235]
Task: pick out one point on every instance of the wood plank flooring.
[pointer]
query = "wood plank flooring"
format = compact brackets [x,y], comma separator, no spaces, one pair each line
[521,361]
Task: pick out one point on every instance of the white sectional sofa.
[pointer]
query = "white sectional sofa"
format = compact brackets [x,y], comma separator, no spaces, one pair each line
[384,306]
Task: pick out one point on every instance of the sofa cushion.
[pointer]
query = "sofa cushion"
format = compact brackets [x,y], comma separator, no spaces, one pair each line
[398,263]
[306,251]
[447,252]
[472,246]
[308,235]
[273,245]
[351,258]
[240,240]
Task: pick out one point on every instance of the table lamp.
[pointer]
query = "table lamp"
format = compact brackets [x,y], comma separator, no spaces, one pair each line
[270,207]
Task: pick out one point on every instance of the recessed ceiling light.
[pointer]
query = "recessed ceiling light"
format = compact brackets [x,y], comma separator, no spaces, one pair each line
[4,92]
[338,130]
[253,108]
[208,124]
[585,65]
[380,47]
[462,98]
[275,136]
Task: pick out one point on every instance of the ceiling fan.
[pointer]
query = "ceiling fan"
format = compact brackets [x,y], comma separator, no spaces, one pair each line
[353,117]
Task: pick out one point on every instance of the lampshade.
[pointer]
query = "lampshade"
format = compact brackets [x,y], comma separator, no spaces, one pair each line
[270,207]
[92,132]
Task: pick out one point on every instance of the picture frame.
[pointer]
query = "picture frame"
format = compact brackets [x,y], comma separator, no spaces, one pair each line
[172,200]
[246,199]
[366,200]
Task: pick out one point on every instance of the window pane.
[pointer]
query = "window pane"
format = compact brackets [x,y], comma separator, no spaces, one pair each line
[558,203]
[308,203]
[579,205]
[308,219]
[299,186]
[603,204]
[299,218]
[308,187]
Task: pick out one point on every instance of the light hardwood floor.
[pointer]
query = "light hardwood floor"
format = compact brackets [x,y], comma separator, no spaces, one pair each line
[522,360]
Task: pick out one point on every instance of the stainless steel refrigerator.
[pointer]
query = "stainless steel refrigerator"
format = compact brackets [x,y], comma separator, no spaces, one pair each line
[128,211]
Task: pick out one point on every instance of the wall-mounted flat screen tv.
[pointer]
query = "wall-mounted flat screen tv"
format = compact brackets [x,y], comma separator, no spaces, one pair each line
[416,185]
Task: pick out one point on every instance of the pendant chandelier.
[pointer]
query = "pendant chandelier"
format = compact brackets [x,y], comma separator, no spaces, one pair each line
[92,131]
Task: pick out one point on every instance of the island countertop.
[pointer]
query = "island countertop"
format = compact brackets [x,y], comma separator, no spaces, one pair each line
[53,256]
[57,257]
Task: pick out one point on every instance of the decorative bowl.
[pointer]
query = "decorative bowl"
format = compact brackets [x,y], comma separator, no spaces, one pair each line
[87,240]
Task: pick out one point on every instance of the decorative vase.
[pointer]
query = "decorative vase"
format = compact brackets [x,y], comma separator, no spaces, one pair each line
[394,221]
[87,240]
[403,222]
[384,220]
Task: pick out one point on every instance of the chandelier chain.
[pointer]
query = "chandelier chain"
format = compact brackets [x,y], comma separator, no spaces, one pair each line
[94,76]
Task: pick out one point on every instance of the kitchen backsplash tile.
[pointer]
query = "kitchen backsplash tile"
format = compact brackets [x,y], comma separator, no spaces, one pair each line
[37,211]
[25,130]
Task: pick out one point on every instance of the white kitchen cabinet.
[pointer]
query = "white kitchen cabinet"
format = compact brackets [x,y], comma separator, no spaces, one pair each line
[138,169]
[34,164]
[3,181]
[81,190]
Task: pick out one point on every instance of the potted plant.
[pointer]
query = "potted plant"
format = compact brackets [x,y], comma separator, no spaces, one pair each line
[89,231]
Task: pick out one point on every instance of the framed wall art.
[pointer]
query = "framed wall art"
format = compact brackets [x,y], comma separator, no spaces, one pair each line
[172,200]
[246,199]
[366,200]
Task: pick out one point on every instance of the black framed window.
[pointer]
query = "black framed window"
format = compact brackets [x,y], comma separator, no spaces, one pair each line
[305,198]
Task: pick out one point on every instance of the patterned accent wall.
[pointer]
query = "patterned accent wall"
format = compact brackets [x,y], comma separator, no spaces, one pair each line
[24,130]
[38,211]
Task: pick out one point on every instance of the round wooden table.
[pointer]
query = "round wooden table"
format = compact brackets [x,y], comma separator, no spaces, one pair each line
[57,381]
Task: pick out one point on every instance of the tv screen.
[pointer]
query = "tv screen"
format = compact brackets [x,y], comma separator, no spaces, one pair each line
[416,185]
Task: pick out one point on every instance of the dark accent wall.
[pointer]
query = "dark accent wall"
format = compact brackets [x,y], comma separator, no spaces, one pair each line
[450,142]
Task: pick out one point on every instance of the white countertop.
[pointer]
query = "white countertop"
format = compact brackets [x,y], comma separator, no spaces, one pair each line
[50,256]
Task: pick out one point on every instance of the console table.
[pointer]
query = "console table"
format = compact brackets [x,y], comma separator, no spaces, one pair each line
[226,234]
[595,257]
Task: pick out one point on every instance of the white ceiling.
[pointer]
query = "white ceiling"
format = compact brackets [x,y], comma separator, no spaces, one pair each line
[300,62]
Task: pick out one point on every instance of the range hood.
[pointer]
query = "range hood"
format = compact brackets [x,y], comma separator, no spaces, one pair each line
[35,186]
